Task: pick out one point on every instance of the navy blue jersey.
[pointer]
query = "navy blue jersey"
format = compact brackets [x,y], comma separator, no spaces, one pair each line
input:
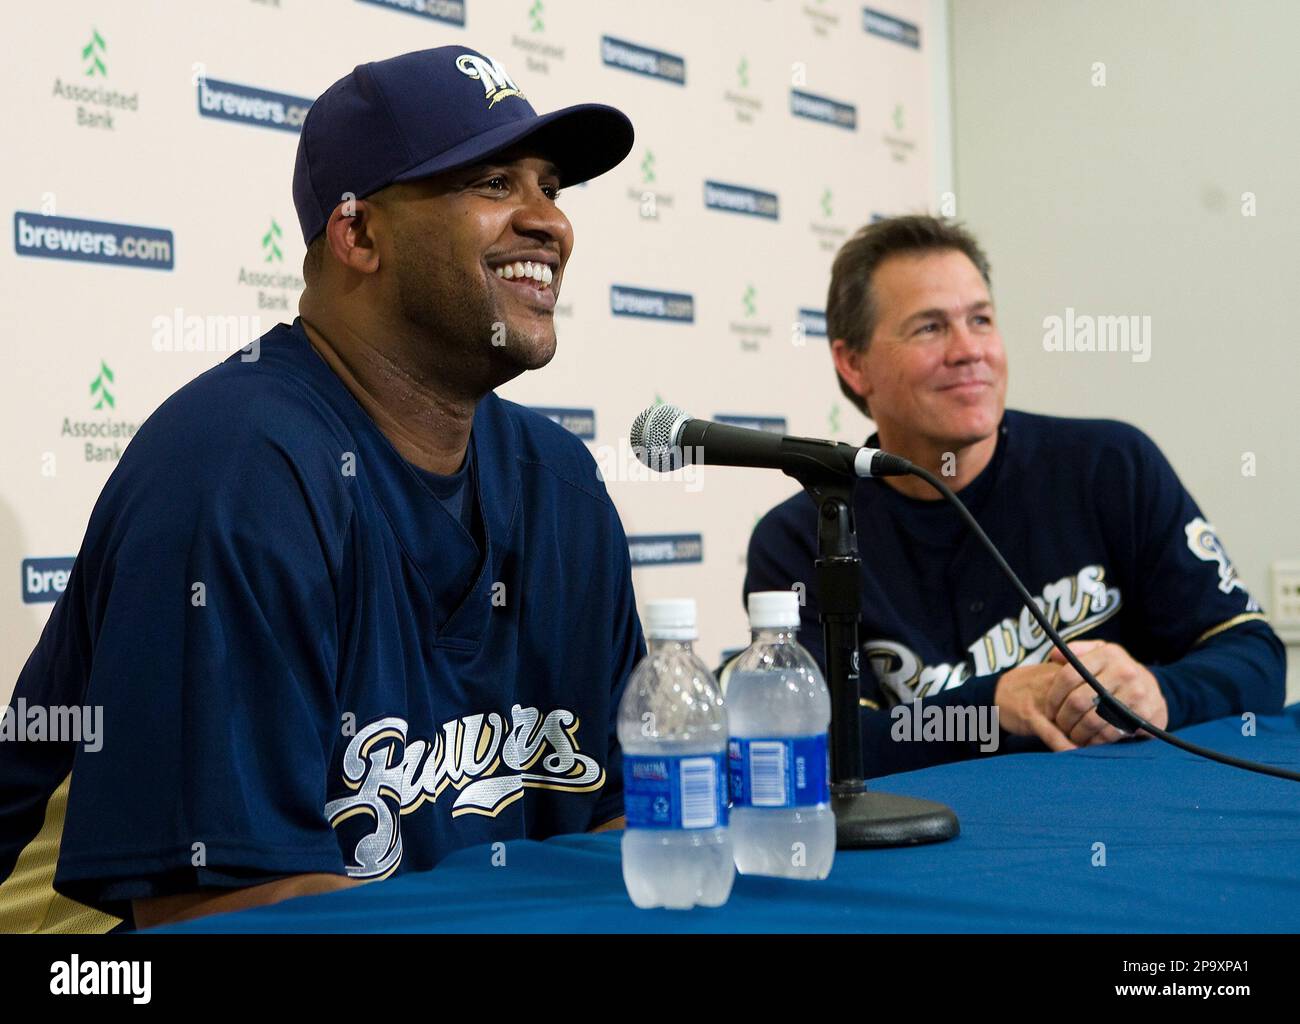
[1095,522]
[308,662]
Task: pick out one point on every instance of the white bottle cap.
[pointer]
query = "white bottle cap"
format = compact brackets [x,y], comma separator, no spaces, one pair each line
[774,609]
[671,619]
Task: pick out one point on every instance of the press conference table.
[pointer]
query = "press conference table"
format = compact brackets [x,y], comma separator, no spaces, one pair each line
[1188,846]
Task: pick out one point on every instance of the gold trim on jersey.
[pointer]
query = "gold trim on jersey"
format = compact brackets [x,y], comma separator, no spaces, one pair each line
[1236,620]
[28,902]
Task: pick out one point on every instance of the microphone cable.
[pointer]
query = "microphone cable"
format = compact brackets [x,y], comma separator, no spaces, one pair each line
[1109,707]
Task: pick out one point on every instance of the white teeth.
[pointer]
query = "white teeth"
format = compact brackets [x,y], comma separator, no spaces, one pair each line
[538,272]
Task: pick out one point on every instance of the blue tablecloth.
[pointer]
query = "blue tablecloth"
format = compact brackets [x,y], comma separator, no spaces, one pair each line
[1189,845]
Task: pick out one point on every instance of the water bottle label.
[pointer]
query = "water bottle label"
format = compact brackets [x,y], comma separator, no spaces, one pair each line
[791,771]
[675,792]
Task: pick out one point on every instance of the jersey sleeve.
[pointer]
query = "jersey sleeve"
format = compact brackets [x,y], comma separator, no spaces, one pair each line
[628,649]
[1191,602]
[209,581]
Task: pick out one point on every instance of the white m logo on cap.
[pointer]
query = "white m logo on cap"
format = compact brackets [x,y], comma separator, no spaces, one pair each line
[497,83]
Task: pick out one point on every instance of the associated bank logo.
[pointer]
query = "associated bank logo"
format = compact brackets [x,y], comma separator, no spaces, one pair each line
[92,241]
[277,288]
[616,53]
[770,424]
[823,22]
[666,549]
[824,109]
[648,193]
[899,145]
[654,305]
[271,244]
[886,26]
[738,199]
[748,331]
[812,322]
[101,387]
[246,104]
[830,234]
[538,53]
[44,579]
[581,422]
[98,105]
[450,11]
[92,54]
[101,440]
[744,104]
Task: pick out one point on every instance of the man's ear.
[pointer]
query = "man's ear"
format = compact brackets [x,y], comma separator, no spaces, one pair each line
[849,365]
[352,238]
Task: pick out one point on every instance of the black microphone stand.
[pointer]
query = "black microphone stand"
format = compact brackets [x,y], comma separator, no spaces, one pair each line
[863,817]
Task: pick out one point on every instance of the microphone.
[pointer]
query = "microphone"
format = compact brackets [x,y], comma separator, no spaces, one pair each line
[665,438]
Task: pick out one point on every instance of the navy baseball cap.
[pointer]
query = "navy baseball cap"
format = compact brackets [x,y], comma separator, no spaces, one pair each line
[431,111]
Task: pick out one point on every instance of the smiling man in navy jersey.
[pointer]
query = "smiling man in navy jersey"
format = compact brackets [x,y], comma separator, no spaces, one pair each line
[1088,513]
[345,610]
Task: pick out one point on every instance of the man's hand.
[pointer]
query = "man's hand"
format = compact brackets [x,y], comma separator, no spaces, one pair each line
[1070,700]
[1023,707]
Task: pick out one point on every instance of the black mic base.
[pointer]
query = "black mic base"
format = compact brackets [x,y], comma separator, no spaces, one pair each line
[865,819]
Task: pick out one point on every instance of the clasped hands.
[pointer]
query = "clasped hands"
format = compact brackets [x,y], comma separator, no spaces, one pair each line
[1051,700]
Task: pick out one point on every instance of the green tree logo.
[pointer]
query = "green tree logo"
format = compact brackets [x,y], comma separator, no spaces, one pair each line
[271,244]
[827,209]
[833,418]
[99,387]
[92,54]
[742,72]
[648,168]
[898,118]
[748,300]
[535,15]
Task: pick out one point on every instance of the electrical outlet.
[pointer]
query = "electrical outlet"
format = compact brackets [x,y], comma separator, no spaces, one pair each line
[1285,607]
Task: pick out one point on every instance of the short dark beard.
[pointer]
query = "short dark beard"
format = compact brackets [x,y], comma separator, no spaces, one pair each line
[454,309]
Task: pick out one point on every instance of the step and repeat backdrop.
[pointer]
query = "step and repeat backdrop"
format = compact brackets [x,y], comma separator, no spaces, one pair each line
[149,152]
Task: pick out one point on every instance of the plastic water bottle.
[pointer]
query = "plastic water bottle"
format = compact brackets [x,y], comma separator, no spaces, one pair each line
[779,711]
[673,729]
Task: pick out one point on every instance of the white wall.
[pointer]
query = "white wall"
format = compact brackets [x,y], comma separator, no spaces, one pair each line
[1127,199]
